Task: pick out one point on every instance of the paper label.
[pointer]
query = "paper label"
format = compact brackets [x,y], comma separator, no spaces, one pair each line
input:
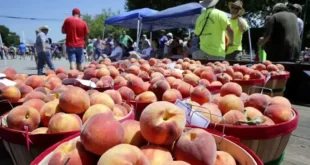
[268,78]
[179,70]
[87,83]
[7,82]
[171,65]
[185,108]
[2,75]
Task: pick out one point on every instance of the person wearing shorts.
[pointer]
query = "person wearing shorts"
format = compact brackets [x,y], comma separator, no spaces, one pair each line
[76,31]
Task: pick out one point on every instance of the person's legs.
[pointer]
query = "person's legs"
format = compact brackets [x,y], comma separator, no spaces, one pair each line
[72,57]
[40,63]
[48,60]
[79,52]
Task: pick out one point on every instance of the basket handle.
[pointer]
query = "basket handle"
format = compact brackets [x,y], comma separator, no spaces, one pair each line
[250,91]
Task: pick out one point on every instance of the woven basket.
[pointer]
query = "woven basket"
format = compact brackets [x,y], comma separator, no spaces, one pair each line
[277,84]
[248,84]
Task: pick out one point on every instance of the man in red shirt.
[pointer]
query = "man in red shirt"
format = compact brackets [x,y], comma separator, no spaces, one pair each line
[76,31]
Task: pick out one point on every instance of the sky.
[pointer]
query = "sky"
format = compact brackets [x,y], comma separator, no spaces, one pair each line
[55,9]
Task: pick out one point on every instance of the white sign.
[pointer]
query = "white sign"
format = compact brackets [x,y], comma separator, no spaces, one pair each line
[171,65]
[87,83]
[7,82]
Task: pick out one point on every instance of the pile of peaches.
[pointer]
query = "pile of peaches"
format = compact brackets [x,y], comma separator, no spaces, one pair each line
[159,138]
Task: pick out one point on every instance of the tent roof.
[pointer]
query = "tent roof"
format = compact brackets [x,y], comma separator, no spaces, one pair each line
[129,19]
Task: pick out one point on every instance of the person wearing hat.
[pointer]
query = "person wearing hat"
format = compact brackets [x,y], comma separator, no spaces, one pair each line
[211,28]
[239,26]
[297,10]
[43,48]
[281,40]
[168,43]
[76,31]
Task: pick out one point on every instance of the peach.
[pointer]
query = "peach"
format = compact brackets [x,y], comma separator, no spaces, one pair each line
[200,95]
[144,76]
[113,72]
[71,152]
[279,100]
[50,72]
[95,109]
[232,117]
[215,84]
[172,95]
[22,77]
[272,67]
[146,97]
[102,72]
[34,95]
[74,100]
[40,130]
[62,76]
[152,61]
[176,83]
[196,146]
[265,120]
[10,73]
[210,111]
[73,73]
[185,89]
[133,69]
[115,95]
[176,163]
[279,113]
[22,116]
[156,154]
[133,135]
[119,111]
[107,81]
[230,102]
[10,93]
[171,80]
[89,73]
[231,88]
[192,79]
[62,122]
[126,93]
[52,82]
[224,78]
[35,103]
[102,98]
[48,110]
[208,75]
[160,87]
[244,69]
[35,81]
[24,90]
[92,91]
[224,158]
[280,67]
[101,132]
[157,74]
[156,79]
[137,85]
[43,90]
[177,75]
[252,113]
[244,97]
[216,98]
[123,154]
[237,76]
[260,67]
[145,67]
[61,70]
[162,123]
[258,101]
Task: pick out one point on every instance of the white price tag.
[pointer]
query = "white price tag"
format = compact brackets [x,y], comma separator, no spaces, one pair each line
[7,82]
[2,75]
[185,108]
[179,70]
[87,83]
[171,65]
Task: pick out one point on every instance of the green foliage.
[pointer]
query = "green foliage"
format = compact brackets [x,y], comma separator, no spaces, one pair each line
[8,37]
[95,24]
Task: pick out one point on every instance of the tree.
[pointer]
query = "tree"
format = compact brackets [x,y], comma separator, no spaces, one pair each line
[8,37]
[95,24]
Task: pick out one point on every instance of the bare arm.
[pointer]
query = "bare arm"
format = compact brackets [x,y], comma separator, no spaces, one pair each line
[269,28]
[242,24]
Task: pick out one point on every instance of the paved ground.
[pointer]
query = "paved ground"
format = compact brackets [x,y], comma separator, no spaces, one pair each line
[297,151]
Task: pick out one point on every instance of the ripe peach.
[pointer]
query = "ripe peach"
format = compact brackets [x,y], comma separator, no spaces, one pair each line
[244,97]
[280,67]
[156,79]
[102,72]
[74,100]
[89,73]
[126,93]
[35,81]
[62,76]
[22,116]
[279,113]
[260,67]
[171,80]
[48,110]
[244,69]
[119,111]
[238,76]
[10,93]
[10,73]
[52,82]
[230,71]
[172,95]
[189,145]
[162,123]
[92,91]
[224,158]
[71,153]
[133,135]
[146,97]
[192,79]
[215,83]
[265,120]
[113,72]
[257,101]
[200,95]
[35,103]
[177,75]
[95,109]
[185,89]
[34,95]
[204,82]
[22,77]
[272,67]
[252,112]
[223,78]
[279,100]
[159,88]
[144,76]
[62,122]
[123,154]
[137,85]
[102,98]
[255,74]
[24,90]
[232,117]
[231,88]
[216,98]
[115,95]
[43,90]
[176,83]
[176,163]
[101,132]
[156,154]
[61,70]
[210,111]
[73,73]
[40,130]
[230,102]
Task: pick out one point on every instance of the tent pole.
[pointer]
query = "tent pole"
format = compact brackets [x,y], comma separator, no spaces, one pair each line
[138,31]
[151,38]
[250,43]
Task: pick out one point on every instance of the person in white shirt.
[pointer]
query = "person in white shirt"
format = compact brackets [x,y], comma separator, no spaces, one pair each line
[146,51]
[117,52]
[167,44]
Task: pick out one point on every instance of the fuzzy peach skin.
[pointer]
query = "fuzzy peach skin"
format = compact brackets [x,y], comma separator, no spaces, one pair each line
[279,113]
[176,163]
[162,123]
[146,97]
[34,95]
[21,116]
[102,98]
[232,117]
[258,101]
[201,95]
[127,93]
[24,90]
[210,111]
[196,147]
[101,132]
[40,130]
[71,153]
[115,95]
[10,93]
[231,88]
[35,81]
[35,103]
[95,109]
[224,158]
[133,133]
[74,100]
[123,154]
[48,111]
[230,102]
[156,154]
[62,122]
[172,95]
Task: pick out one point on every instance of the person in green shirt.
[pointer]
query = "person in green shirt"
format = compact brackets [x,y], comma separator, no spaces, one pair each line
[90,50]
[124,39]
[239,26]
[211,27]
